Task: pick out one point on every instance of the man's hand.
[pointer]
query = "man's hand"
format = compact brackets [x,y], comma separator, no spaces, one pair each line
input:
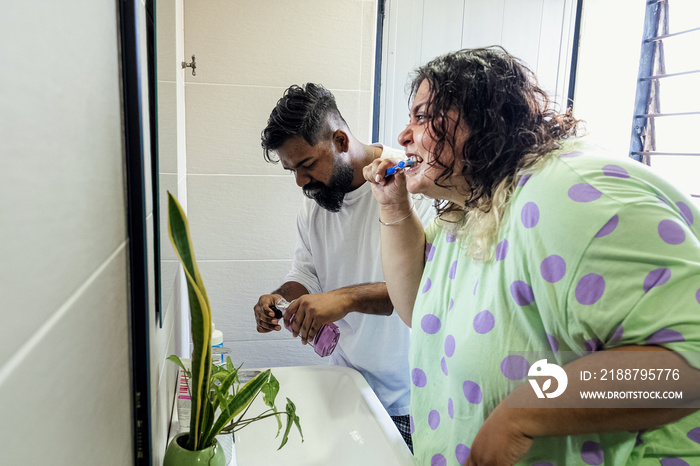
[264,316]
[312,311]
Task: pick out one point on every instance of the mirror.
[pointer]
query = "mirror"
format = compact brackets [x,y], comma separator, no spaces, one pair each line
[242,210]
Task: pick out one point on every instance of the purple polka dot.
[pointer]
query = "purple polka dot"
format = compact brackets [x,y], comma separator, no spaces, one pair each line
[671,232]
[438,460]
[616,171]
[462,453]
[453,270]
[429,252]
[449,346]
[434,419]
[522,293]
[553,342]
[571,155]
[472,392]
[685,212]
[502,250]
[523,179]
[584,192]
[426,287]
[515,367]
[452,304]
[590,289]
[673,462]
[609,227]
[591,453]
[419,378]
[430,324]
[665,335]
[484,322]
[411,424]
[530,215]
[443,366]
[656,278]
[553,268]
[450,238]
[697,296]
[694,435]
[593,345]
[618,333]
[450,408]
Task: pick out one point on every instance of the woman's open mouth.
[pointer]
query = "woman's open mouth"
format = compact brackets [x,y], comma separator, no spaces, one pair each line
[415,162]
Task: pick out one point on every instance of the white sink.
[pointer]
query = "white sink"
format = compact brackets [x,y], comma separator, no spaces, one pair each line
[343,423]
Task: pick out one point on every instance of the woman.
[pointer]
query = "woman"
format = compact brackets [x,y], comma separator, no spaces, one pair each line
[545,254]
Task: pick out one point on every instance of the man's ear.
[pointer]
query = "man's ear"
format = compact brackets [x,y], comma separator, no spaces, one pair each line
[341,141]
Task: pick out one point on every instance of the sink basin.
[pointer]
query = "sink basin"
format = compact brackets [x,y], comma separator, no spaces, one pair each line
[342,419]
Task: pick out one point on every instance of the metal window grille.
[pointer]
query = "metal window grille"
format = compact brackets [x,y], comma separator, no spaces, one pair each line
[667,104]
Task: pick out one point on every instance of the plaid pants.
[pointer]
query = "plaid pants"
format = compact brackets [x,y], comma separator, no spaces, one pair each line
[403,423]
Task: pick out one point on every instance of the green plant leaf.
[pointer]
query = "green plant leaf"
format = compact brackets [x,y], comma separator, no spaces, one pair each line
[201,366]
[239,402]
[174,358]
[200,312]
[291,408]
[270,391]
[223,401]
[226,384]
[292,417]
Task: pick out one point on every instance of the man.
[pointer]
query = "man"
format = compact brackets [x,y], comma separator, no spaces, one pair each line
[336,274]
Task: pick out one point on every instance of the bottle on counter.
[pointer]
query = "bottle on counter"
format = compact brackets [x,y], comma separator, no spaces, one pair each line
[217,341]
[326,338]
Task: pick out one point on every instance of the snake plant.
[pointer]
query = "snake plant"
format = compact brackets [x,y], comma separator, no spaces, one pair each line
[219,402]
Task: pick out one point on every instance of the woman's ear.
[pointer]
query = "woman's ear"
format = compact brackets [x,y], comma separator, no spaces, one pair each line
[341,141]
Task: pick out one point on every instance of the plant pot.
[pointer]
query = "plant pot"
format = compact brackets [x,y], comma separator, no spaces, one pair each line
[178,455]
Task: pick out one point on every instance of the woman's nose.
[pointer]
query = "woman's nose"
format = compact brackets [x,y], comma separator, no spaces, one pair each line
[406,136]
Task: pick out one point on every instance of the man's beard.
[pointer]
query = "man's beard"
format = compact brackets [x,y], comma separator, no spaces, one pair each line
[331,197]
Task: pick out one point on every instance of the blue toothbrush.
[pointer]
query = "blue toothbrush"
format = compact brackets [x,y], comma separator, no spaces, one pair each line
[399,166]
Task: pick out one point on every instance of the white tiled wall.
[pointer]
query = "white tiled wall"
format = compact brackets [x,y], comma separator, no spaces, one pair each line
[65,380]
[416,31]
[242,210]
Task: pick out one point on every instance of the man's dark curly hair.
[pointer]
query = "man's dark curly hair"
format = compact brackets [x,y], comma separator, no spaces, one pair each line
[510,118]
[302,111]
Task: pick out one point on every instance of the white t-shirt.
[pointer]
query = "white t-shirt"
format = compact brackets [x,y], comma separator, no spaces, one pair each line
[340,249]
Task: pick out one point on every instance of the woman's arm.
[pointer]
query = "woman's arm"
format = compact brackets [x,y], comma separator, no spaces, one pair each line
[402,237]
[507,433]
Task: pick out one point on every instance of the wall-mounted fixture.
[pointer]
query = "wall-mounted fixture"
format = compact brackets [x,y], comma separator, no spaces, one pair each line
[192,65]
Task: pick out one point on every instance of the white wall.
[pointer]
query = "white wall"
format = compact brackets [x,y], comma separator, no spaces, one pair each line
[65,389]
[537,31]
[242,210]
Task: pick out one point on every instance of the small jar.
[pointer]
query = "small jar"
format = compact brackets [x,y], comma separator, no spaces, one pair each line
[326,338]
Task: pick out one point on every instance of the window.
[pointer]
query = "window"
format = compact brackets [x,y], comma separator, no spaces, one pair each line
[666,128]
